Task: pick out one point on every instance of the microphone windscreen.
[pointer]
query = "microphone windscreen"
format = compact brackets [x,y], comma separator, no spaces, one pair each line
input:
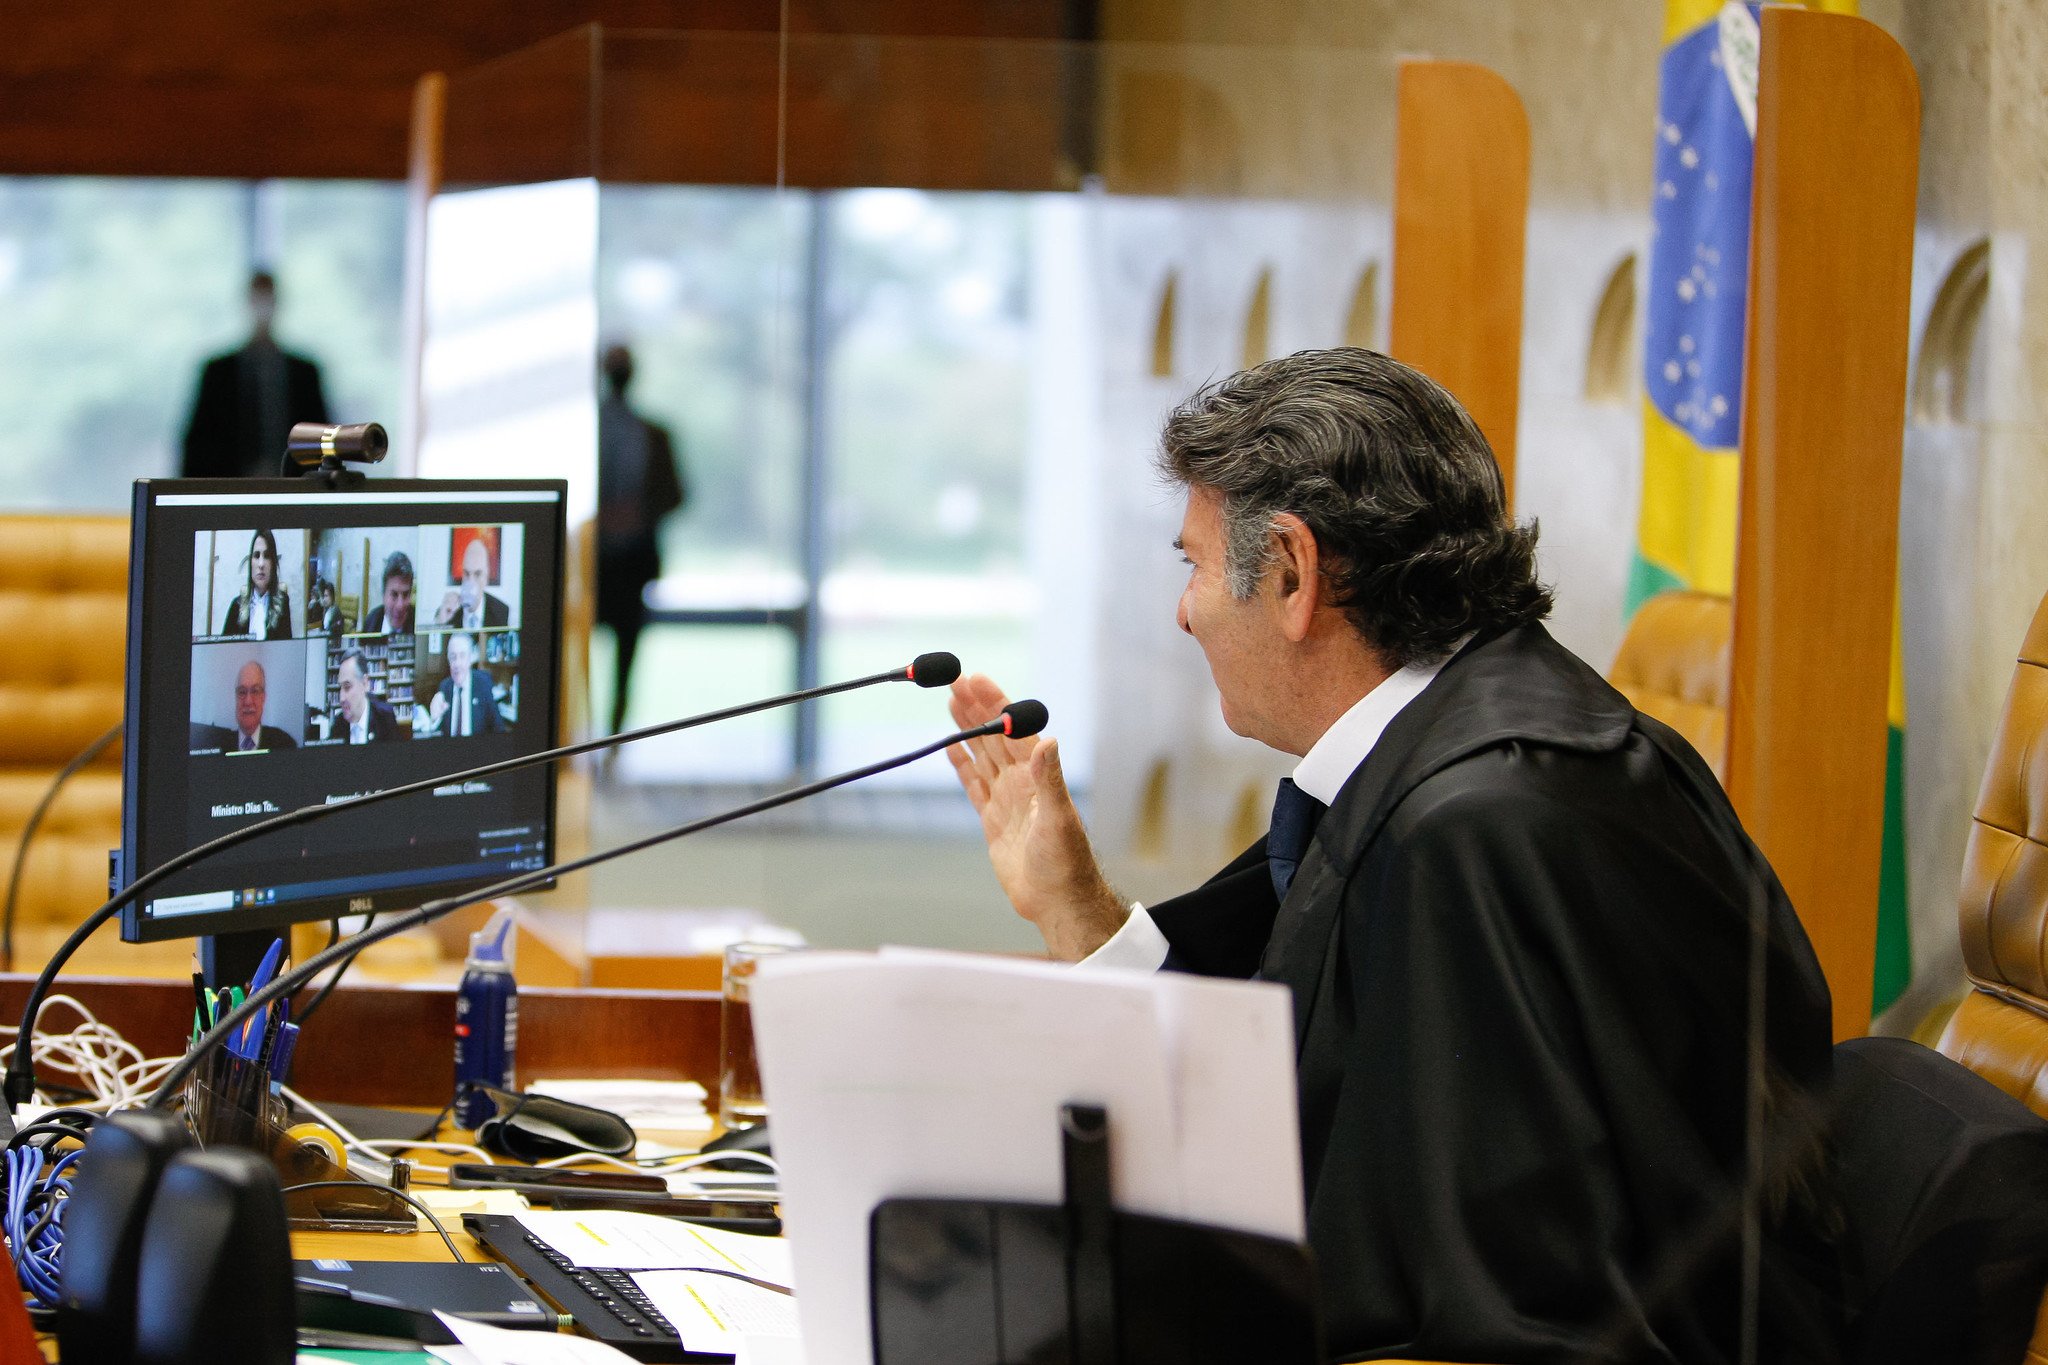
[1022,719]
[934,670]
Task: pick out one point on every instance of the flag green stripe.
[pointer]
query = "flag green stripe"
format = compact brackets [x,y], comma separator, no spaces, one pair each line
[1894,938]
[1646,580]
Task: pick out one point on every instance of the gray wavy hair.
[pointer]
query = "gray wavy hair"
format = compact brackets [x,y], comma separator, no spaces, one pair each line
[1390,474]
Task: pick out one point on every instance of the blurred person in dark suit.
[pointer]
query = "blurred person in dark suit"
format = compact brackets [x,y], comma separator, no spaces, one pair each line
[249,398]
[639,482]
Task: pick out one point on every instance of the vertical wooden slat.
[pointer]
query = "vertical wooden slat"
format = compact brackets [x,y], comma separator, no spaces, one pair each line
[423,181]
[1837,154]
[1461,214]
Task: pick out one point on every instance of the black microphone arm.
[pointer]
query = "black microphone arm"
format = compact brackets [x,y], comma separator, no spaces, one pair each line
[927,670]
[1019,720]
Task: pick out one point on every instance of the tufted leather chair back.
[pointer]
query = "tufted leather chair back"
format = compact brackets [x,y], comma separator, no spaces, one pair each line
[1673,665]
[2001,1030]
[64,621]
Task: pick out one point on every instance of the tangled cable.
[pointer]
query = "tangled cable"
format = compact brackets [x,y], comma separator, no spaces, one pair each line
[39,1161]
[112,1071]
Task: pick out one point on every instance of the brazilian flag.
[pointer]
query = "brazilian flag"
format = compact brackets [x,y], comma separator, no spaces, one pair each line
[1693,365]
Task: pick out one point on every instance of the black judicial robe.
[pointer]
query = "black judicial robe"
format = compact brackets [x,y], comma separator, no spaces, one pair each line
[1519,955]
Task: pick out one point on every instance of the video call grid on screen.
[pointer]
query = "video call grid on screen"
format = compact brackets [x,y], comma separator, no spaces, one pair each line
[336,643]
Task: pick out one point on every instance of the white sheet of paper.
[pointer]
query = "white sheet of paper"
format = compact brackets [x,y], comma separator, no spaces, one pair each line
[915,1073]
[1231,1045]
[620,1240]
[501,1346]
[769,1350]
[714,1312]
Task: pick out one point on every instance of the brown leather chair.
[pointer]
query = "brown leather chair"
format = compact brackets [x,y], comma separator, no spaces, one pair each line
[2001,1029]
[1673,664]
[64,624]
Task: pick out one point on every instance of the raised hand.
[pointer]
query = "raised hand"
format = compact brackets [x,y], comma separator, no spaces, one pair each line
[1036,841]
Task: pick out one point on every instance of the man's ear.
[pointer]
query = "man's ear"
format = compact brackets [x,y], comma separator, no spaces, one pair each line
[1296,574]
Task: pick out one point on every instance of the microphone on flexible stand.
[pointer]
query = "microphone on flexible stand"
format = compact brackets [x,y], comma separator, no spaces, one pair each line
[1019,720]
[927,670]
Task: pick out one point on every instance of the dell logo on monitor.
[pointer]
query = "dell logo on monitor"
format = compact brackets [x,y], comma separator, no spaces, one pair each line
[360,905]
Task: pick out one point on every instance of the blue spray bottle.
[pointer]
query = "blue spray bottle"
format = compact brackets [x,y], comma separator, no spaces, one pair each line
[486,1021]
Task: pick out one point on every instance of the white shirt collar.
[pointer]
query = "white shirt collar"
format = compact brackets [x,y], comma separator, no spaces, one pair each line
[1329,763]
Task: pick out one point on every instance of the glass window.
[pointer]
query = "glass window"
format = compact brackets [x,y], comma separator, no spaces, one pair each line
[705,285]
[340,263]
[113,292]
[928,346]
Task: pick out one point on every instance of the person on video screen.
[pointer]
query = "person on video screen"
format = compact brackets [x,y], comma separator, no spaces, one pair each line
[263,609]
[249,734]
[364,716]
[470,606]
[394,616]
[324,617]
[467,698]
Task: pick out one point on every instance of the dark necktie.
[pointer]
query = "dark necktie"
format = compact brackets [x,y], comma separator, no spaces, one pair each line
[1295,814]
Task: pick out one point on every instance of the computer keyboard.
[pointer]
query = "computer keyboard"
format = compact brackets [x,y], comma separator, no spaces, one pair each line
[605,1303]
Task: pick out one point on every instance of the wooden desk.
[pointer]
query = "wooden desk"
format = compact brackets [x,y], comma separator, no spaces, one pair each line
[395,1044]
[377,1246]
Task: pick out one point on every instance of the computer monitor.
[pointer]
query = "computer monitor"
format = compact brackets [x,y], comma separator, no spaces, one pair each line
[290,645]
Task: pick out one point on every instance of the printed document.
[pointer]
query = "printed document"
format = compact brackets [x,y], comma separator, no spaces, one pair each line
[914,1073]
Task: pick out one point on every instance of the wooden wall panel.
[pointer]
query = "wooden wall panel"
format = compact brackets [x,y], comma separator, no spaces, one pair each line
[252,88]
[1823,423]
[1461,214]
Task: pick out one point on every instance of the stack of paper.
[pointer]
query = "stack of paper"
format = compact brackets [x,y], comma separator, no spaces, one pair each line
[942,1075]
[714,1287]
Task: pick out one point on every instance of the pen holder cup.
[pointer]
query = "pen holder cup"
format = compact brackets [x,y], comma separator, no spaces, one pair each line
[229,1103]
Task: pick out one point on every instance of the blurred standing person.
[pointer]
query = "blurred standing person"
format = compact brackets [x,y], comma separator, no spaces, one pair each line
[639,482]
[249,398]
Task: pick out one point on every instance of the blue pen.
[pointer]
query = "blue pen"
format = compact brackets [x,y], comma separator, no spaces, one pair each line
[247,1041]
[269,966]
[281,1053]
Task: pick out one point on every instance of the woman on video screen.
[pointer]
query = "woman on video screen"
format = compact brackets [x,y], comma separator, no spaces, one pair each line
[263,609]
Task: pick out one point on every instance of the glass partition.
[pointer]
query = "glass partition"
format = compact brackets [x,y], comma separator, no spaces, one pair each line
[896,303]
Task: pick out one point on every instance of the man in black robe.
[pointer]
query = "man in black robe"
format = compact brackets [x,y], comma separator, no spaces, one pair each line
[1517,917]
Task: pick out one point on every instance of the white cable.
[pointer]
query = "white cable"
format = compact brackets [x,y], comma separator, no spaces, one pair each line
[675,1163]
[459,1148]
[110,1068]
